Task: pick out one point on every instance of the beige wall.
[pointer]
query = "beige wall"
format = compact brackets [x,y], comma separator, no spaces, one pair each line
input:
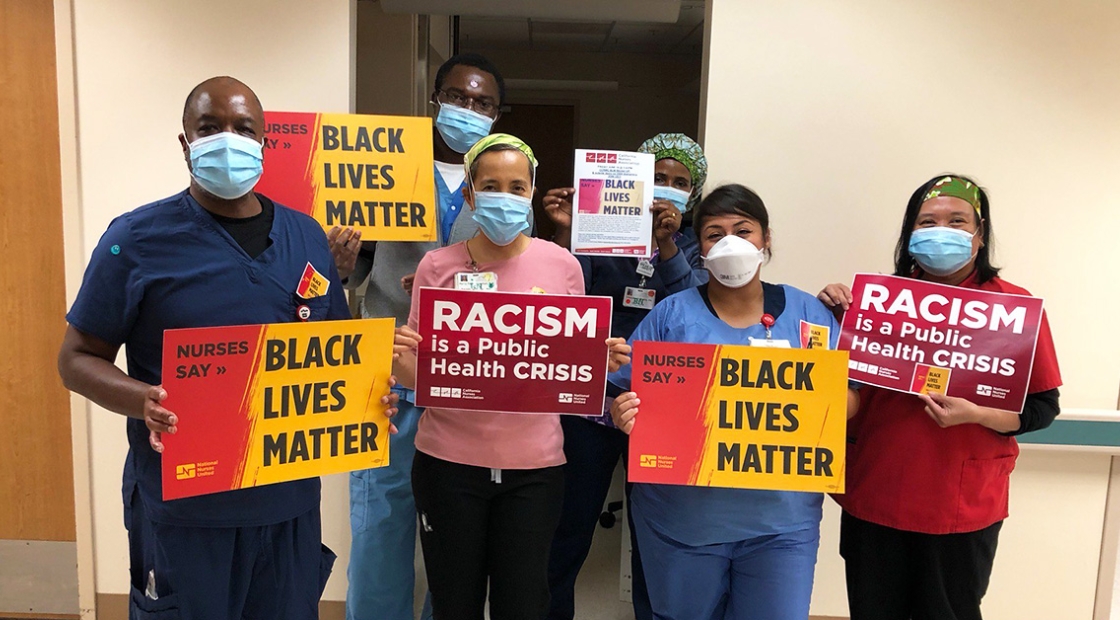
[656,92]
[836,112]
[135,62]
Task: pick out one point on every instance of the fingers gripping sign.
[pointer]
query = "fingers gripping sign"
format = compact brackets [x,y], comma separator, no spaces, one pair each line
[624,411]
[158,419]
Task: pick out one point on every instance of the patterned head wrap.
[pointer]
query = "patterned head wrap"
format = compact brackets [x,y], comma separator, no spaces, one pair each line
[482,145]
[681,148]
[956,187]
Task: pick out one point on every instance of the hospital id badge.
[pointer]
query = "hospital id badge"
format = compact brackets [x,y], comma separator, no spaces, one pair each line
[642,298]
[769,342]
[484,281]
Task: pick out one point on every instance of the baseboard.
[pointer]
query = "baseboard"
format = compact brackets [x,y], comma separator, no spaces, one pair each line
[11,614]
[115,607]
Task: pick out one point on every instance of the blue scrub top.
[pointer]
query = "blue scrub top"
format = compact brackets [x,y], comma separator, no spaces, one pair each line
[450,206]
[171,265]
[704,515]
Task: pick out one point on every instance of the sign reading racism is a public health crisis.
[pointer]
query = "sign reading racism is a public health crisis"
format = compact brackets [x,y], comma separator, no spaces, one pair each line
[739,417]
[261,404]
[513,352]
[914,336]
[373,173]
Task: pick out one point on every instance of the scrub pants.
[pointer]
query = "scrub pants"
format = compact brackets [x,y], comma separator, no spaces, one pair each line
[268,572]
[899,575]
[767,577]
[592,451]
[486,530]
[382,573]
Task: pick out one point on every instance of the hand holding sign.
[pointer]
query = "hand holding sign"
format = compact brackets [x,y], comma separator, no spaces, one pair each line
[624,410]
[156,418]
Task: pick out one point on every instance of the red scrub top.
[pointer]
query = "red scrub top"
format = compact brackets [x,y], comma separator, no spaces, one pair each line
[906,472]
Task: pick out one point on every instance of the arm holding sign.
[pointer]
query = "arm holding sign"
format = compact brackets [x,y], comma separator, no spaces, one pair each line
[85,363]
[558,207]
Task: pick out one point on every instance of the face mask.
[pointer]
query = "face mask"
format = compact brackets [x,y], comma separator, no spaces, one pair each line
[734,261]
[940,250]
[501,216]
[460,127]
[678,197]
[226,164]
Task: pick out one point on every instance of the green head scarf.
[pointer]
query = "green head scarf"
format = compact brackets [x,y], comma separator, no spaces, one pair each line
[493,139]
[956,187]
[680,147]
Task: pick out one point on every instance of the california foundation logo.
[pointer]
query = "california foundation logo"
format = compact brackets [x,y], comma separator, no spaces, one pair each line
[185,471]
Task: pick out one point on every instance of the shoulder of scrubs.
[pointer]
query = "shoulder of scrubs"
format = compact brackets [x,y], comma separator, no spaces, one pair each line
[689,245]
[588,268]
[676,273]
[112,288]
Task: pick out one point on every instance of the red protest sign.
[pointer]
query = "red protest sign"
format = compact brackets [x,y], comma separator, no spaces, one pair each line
[512,352]
[915,336]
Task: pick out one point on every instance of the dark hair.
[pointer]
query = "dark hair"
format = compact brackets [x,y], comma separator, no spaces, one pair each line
[731,199]
[477,61]
[494,148]
[905,265]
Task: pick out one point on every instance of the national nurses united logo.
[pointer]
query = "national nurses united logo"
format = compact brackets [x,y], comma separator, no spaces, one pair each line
[185,471]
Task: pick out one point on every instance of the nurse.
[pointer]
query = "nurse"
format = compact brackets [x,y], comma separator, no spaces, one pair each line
[593,446]
[214,254]
[679,172]
[488,485]
[715,553]
[927,486]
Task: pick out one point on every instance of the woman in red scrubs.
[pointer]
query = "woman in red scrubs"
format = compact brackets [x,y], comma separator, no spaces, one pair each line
[927,481]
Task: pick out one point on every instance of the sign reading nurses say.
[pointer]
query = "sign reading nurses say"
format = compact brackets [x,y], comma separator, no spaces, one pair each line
[372,173]
[261,404]
[739,416]
[914,336]
[512,352]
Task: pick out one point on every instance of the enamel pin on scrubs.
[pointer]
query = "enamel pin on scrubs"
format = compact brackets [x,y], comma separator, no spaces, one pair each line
[768,322]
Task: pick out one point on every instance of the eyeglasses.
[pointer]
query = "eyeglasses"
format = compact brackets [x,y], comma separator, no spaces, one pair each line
[459,100]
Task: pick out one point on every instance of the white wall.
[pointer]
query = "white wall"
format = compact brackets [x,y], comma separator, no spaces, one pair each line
[135,62]
[836,111]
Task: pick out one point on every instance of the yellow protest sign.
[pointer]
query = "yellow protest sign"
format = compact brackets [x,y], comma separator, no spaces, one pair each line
[740,417]
[372,173]
[261,404]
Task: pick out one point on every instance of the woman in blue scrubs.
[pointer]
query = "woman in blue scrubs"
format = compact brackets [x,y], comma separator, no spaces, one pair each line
[712,553]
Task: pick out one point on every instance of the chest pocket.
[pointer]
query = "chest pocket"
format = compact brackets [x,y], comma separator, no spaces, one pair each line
[315,309]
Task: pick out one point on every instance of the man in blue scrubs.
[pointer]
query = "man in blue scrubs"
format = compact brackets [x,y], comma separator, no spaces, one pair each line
[468,94]
[215,254]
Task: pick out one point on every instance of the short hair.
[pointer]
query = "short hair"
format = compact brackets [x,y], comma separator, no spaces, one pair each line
[478,61]
[197,90]
[904,263]
[731,199]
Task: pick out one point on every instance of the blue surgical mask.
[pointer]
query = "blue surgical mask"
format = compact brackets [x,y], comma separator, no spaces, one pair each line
[940,250]
[460,127]
[502,216]
[226,164]
[678,197]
